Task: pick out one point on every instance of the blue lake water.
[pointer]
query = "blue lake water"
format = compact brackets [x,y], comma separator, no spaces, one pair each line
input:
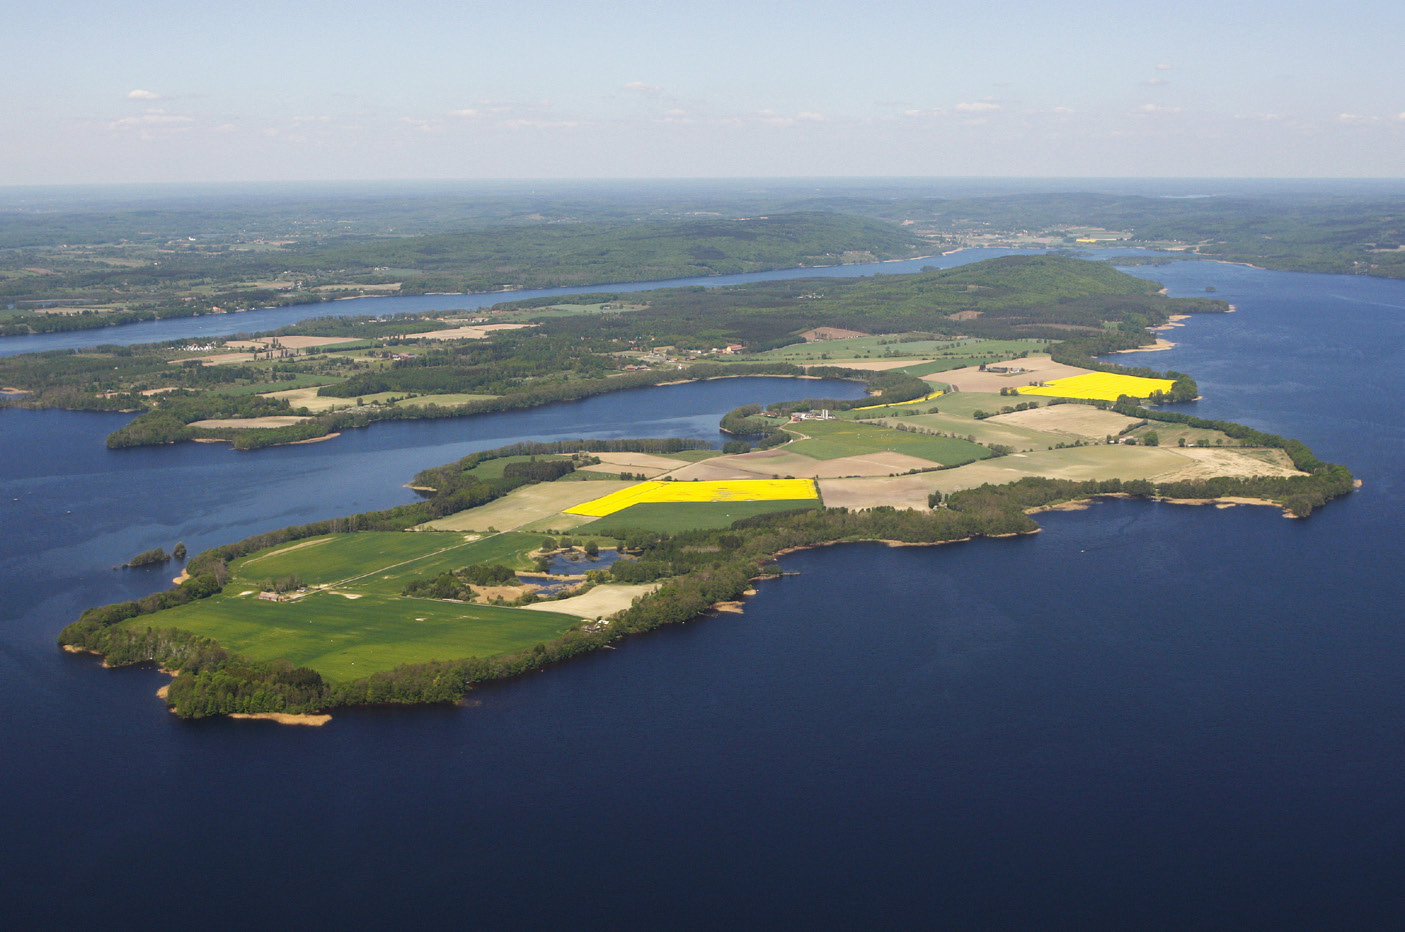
[575,563]
[1147,716]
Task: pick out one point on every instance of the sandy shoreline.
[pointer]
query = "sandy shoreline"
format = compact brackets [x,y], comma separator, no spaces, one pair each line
[1160,344]
[1228,501]
[285,718]
[289,443]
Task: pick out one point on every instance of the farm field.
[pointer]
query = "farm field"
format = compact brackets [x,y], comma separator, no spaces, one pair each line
[454,398]
[1036,368]
[308,398]
[252,423]
[1091,462]
[990,430]
[740,490]
[834,439]
[693,456]
[780,462]
[1104,386]
[493,468]
[1083,422]
[877,364]
[600,602]
[672,517]
[360,624]
[646,464]
[528,505]
[966,404]
[345,638]
[379,561]
[930,396]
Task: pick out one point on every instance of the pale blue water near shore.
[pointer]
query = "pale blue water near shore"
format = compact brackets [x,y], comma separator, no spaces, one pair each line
[1147,716]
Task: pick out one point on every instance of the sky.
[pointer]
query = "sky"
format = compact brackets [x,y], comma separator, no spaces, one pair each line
[139,92]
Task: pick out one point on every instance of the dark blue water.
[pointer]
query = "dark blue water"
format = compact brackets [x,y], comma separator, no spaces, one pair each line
[221,325]
[1148,716]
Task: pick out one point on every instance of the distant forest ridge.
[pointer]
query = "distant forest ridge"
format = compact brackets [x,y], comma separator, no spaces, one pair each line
[66,265]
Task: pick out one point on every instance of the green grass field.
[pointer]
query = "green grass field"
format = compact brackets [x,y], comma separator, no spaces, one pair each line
[965,404]
[379,561]
[985,432]
[299,380]
[693,456]
[442,400]
[346,638]
[672,517]
[362,624]
[832,439]
[492,469]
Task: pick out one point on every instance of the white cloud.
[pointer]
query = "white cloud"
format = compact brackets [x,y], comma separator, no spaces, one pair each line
[152,119]
[643,87]
[466,112]
[1163,67]
[1155,82]
[1355,118]
[1063,110]
[143,95]
[772,118]
[424,126]
[524,123]
[1157,110]
[977,106]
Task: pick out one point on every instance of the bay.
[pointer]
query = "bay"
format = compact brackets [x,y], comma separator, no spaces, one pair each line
[1147,716]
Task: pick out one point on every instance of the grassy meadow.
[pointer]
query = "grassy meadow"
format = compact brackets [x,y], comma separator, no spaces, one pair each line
[828,440]
[345,638]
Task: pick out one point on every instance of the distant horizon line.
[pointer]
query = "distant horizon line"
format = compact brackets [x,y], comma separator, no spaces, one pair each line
[715,179]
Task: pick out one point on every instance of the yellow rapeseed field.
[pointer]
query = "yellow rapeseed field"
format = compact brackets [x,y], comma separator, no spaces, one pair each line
[1106,386]
[896,403]
[730,490]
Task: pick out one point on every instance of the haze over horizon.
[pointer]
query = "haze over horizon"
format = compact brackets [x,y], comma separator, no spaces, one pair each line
[160,92]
